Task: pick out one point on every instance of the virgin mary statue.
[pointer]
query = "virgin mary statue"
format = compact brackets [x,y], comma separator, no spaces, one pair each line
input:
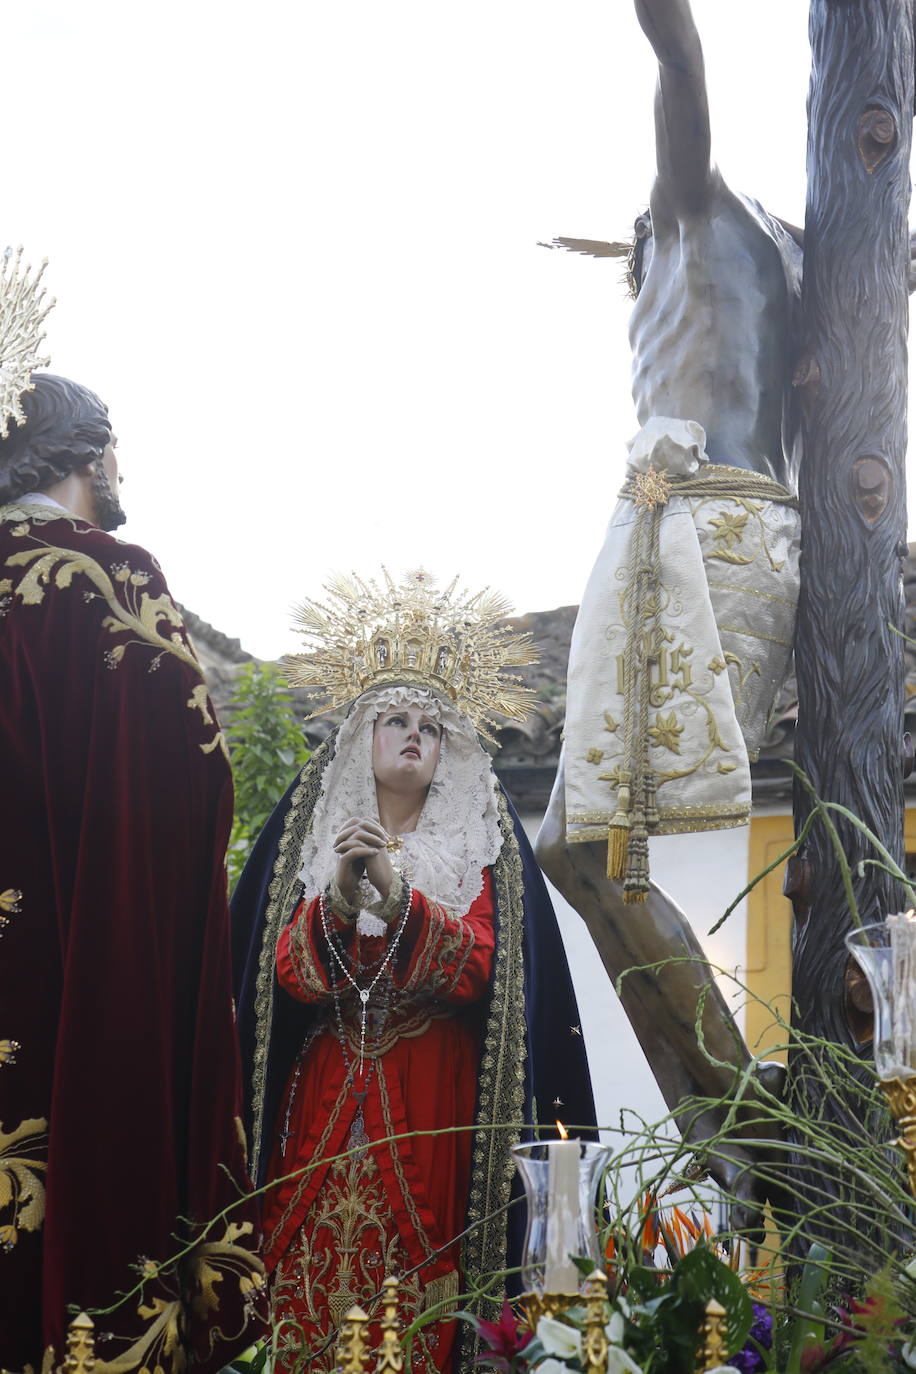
[405,1006]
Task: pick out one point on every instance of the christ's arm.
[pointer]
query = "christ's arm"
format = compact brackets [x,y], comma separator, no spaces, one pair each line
[681,109]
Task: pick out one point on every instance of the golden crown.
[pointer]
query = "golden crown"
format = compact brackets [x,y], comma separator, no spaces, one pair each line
[22,313]
[449,641]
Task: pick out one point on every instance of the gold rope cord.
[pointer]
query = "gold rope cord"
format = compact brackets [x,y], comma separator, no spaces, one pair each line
[719,480]
[636,815]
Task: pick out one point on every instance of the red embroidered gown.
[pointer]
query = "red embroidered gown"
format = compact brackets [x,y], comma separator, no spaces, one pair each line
[335,1231]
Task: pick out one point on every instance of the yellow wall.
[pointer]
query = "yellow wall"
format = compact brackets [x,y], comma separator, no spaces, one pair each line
[769,933]
[769,938]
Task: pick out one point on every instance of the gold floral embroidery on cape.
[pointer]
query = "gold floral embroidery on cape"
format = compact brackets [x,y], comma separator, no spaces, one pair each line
[10,905]
[152,622]
[359,1245]
[729,528]
[22,1191]
[207,1272]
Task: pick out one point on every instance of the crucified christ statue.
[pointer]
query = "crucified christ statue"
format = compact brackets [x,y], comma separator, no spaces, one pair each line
[712,332]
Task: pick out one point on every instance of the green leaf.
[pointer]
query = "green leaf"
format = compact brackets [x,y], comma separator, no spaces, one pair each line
[701,1275]
[808,1328]
[266,745]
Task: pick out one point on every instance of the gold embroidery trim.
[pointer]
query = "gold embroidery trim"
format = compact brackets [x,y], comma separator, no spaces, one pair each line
[138,614]
[754,634]
[751,591]
[394,1149]
[449,941]
[308,973]
[283,896]
[318,1157]
[501,1085]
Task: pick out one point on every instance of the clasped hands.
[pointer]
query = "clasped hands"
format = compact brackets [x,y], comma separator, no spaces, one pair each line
[361,847]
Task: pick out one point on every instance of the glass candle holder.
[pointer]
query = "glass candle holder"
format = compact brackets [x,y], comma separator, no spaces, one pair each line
[886,954]
[561,1180]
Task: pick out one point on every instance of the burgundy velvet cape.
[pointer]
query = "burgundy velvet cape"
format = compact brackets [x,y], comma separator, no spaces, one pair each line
[119,1106]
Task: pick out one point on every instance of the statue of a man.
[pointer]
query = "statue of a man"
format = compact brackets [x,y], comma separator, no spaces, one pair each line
[719,279]
[659,703]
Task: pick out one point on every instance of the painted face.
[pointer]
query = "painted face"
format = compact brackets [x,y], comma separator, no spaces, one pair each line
[105,482]
[405,749]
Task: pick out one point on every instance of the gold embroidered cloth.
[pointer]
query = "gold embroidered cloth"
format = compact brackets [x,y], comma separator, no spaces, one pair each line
[120,1134]
[682,640]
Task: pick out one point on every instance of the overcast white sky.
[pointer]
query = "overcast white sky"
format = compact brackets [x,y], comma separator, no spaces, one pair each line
[294,246]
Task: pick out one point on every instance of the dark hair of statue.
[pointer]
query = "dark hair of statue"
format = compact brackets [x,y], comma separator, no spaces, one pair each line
[642,230]
[66,427]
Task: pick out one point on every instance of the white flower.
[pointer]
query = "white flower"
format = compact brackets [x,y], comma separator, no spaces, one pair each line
[551,1366]
[908,1352]
[559,1339]
[614,1328]
[619,1362]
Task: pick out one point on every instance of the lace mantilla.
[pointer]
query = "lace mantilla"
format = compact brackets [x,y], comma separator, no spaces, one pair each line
[458,833]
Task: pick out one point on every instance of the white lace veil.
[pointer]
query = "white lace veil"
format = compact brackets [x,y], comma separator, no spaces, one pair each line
[458,832]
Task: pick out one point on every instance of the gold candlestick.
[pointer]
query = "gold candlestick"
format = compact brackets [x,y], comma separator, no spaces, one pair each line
[713,1350]
[538,1305]
[595,1343]
[390,1355]
[351,1348]
[80,1346]
[901,1098]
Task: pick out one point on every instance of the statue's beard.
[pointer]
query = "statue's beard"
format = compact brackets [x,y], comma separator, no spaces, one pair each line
[106,506]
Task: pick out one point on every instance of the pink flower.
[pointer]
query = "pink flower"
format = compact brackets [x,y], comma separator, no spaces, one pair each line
[505,1339]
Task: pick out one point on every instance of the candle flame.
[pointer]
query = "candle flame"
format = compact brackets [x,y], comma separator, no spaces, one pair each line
[564,1134]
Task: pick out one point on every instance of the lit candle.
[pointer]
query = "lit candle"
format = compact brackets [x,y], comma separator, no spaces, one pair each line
[561,1275]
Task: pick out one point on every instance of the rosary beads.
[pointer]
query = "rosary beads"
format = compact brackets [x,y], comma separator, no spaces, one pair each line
[338,957]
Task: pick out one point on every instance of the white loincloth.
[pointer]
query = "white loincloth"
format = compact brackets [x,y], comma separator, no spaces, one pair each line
[712,593]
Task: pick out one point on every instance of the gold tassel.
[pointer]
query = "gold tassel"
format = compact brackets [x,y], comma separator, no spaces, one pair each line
[619,832]
[443,1289]
[636,882]
[617,838]
[651,803]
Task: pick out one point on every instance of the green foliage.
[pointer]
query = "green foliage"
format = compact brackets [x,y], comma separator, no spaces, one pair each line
[266,746]
[807,1325]
[669,1315]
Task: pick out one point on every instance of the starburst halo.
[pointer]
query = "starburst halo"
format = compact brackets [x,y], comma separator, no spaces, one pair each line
[22,313]
[450,641]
